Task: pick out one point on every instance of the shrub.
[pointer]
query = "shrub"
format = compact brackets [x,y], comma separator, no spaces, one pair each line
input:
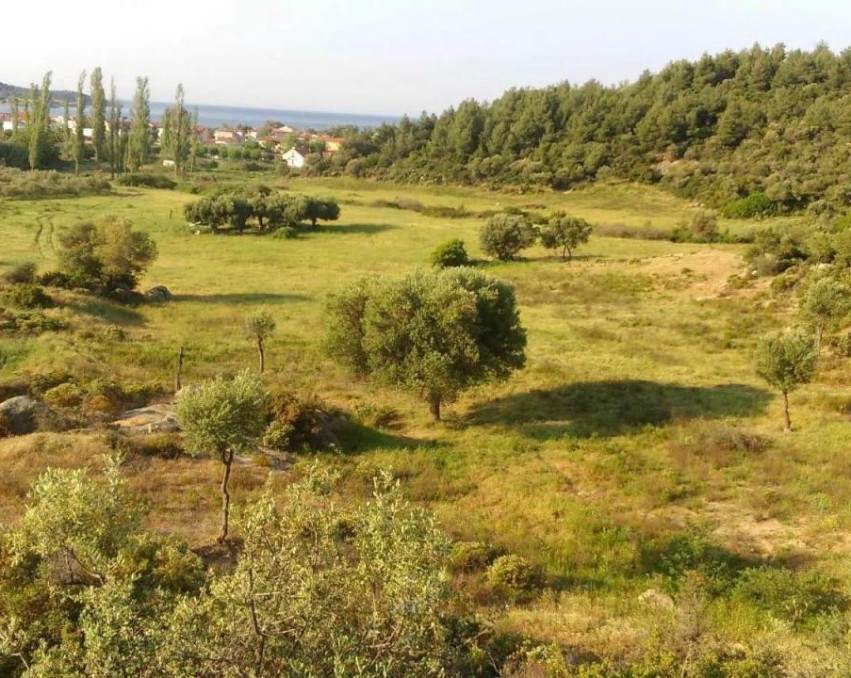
[515,573]
[22,274]
[56,279]
[296,423]
[146,180]
[753,206]
[286,233]
[468,556]
[29,296]
[504,235]
[162,445]
[64,395]
[451,253]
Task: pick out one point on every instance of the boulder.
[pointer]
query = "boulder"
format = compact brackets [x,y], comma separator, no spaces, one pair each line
[655,598]
[159,293]
[22,414]
[152,419]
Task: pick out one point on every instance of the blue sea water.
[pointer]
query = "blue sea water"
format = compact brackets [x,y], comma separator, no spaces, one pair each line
[220,116]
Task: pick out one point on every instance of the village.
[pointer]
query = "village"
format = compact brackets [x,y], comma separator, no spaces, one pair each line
[273,141]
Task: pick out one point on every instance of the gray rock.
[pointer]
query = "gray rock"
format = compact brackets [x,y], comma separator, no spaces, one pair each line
[145,420]
[159,293]
[22,414]
[655,598]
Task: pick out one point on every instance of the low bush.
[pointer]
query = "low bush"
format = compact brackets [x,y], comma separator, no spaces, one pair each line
[754,206]
[32,185]
[296,424]
[515,573]
[64,395]
[24,273]
[27,295]
[162,446]
[376,416]
[286,233]
[469,556]
[450,253]
[147,180]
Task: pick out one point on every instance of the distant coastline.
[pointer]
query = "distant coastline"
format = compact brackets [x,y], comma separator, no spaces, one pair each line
[220,116]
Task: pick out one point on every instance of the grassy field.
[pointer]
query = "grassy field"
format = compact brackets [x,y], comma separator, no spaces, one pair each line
[636,448]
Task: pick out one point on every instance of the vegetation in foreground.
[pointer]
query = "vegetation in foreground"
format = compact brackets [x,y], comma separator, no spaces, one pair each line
[626,504]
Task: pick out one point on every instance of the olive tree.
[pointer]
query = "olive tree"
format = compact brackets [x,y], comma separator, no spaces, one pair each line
[504,235]
[433,333]
[565,233]
[259,326]
[223,417]
[786,360]
[826,303]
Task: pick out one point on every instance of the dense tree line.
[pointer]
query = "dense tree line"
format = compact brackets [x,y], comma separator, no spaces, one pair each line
[762,120]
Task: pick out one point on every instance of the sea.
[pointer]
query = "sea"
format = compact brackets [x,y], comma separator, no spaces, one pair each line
[232,116]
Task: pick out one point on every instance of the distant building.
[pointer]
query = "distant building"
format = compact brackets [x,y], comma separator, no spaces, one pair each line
[227,136]
[293,158]
[169,163]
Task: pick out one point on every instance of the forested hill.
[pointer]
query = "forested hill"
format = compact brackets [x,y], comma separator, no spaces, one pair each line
[722,128]
[11,91]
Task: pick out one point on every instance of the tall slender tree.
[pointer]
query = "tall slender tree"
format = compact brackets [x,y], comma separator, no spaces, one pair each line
[38,123]
[115,154]
[193,138]
[16,116]
[66,130]
[177,133]
[98,113]
[79,123]
[139,148]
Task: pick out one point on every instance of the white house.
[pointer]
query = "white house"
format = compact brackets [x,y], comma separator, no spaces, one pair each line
[293,158]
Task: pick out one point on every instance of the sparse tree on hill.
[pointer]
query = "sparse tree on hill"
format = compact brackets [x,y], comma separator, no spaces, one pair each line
[224,417]
[139,144]
[504,235]
[79,124]
[259,327]
[786,360]
[565,233]
[434,333]
[826,303]
[98,113]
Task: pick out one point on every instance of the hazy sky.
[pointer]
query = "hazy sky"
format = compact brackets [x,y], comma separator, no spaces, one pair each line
[390,56]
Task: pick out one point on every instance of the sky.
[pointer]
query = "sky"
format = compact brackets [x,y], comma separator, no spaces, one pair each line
[389,56]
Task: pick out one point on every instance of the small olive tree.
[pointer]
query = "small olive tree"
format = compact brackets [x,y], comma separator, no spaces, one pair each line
[450,253]
[826,303]
[786,360]
[434,333]
[259,326]
[565,233]
[223,417]
[504,235]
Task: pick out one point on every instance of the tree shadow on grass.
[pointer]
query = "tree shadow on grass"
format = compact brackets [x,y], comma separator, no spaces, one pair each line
[109,311]
[610,408]
[353,229]
[247,298]
[355,438]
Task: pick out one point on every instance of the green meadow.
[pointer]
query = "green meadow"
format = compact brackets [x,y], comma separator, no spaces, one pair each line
[637,450]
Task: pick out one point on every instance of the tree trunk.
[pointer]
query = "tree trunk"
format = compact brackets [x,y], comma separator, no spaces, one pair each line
[262,355]
[786,411]
[178,377]
[227,460]
[434,407]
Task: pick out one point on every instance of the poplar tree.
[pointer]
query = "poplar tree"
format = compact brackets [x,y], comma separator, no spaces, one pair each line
[139,148]
[79,140]
[16,116]
[66,131]
[98,113]
[193,138]
[115,154]
[38,122]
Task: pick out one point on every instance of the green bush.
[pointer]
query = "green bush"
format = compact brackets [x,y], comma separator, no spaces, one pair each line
[296,424]
[27,295]
[162,445]
[468,556]
[286,233]
[24,273]
[504,235]
[753,206]
[450,253]
[146,180]
[515,573]
[64,395]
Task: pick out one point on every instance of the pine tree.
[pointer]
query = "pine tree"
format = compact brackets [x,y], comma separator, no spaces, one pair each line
[98,113]
[139,144]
